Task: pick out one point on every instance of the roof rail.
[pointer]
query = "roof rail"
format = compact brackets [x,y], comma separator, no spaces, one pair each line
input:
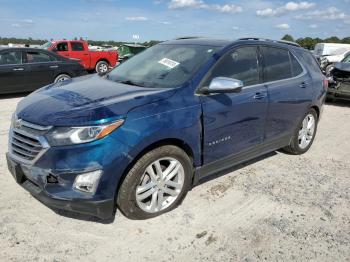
[270,40]
[186,37]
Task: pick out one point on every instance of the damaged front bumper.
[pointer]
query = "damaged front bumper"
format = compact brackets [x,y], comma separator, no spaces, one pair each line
[53,191]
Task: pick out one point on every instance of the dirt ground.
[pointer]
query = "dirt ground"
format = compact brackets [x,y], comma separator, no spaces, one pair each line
[277,208]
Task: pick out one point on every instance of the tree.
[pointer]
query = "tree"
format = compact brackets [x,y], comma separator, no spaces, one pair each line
[288,38]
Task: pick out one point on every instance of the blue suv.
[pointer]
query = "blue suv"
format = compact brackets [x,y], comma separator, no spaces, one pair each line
[139,137]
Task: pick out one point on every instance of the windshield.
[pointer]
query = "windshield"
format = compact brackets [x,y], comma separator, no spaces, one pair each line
[46,45]
[346,59]
[162,66]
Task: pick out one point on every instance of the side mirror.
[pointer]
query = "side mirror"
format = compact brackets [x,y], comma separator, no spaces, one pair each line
[223,85]
[54,49]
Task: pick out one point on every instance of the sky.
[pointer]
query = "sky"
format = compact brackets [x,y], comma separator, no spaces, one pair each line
[167,19]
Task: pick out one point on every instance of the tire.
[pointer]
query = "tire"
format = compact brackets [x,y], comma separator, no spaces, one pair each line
[61,78]
[297,147]
[131,190]
[102,67]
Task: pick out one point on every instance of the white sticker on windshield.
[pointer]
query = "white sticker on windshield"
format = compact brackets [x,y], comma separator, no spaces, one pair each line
[168,63]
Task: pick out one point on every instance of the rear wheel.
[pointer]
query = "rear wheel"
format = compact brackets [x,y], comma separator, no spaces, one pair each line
[304,135]
[102,67]
[156,184]
[61,78]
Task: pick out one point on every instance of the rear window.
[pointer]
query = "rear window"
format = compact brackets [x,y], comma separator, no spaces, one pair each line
[37,57]
[296,67]
[276,64]
[76,46]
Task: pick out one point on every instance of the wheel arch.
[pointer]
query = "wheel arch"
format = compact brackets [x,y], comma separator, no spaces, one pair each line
[317,109]
[62,73]
[163,142]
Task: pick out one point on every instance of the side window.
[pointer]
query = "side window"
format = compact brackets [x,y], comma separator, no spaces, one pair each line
[296,67]
[276,64]
[10,58]
[76,46]
[37,57]
[62,47]
[241,64]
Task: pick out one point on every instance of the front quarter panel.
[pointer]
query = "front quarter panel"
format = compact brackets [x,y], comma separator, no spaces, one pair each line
[176,118]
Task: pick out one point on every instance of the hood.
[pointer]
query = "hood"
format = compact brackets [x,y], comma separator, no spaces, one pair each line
[342,66]
[85,100]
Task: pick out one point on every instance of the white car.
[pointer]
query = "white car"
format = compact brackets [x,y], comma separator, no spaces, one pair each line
[328,53]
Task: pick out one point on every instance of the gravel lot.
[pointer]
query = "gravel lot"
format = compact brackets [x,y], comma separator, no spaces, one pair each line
[278,208]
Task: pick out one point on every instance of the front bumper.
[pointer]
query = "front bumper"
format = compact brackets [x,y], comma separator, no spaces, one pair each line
[45,193]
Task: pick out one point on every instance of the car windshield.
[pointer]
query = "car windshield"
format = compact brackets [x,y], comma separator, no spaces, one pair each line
[346,59]
[46,45]
[162,66]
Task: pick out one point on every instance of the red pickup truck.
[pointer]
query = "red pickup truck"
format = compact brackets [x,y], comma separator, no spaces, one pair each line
[100,61]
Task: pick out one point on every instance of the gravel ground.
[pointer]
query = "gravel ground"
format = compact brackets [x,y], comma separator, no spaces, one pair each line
[277,208]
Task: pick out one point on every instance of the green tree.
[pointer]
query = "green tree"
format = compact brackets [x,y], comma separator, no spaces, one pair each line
[288,38]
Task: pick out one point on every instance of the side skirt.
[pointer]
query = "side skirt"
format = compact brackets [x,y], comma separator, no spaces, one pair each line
[236,159]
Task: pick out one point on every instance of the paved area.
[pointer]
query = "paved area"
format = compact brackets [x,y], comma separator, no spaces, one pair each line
[277,208]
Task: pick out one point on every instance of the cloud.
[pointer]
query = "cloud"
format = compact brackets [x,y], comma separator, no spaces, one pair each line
[313,26]
[235,28]
[199,4]
[23,23]
[288,7]
[176,4]
[283,26]
[332,13]
[136,18]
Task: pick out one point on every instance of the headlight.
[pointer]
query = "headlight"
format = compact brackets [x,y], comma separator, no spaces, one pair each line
[60,136]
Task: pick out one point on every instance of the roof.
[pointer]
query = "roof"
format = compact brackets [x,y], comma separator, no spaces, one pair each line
[133,45]
[227,42]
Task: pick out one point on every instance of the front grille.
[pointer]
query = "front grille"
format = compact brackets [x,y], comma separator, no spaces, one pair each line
[24,146]
[27,142]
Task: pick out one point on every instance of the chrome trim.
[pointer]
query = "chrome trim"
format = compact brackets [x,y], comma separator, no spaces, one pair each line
[27,147]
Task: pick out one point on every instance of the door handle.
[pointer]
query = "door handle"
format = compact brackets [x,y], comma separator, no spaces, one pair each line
[303,85]
[259,96]
[18,69]
[55,66]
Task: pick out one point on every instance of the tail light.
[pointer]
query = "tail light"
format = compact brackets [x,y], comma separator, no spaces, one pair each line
[325,84]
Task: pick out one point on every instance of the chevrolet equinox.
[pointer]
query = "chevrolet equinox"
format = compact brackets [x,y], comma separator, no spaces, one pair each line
[139,137]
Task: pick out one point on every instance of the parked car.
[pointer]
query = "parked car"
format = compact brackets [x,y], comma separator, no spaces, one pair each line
[329,53]
[27,69]
[100,61]
[142,135]
[339,80]
[129,50]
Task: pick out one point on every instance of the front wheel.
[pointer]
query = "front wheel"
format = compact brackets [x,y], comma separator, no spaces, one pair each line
[305,134]
[102,67]
[157,183]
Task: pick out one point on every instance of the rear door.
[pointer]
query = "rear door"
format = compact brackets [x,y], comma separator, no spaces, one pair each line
[42,68]
[234,122]
[78,52]
[13,74]
[290,91]
[62,48]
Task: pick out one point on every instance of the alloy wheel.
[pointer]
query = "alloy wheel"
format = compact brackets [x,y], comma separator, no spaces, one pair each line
[160,185]
[306,131]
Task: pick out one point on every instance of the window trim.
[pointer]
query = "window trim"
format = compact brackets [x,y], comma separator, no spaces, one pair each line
[259,64]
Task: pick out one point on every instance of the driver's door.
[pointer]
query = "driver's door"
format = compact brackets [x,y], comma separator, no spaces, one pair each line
[235,122]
